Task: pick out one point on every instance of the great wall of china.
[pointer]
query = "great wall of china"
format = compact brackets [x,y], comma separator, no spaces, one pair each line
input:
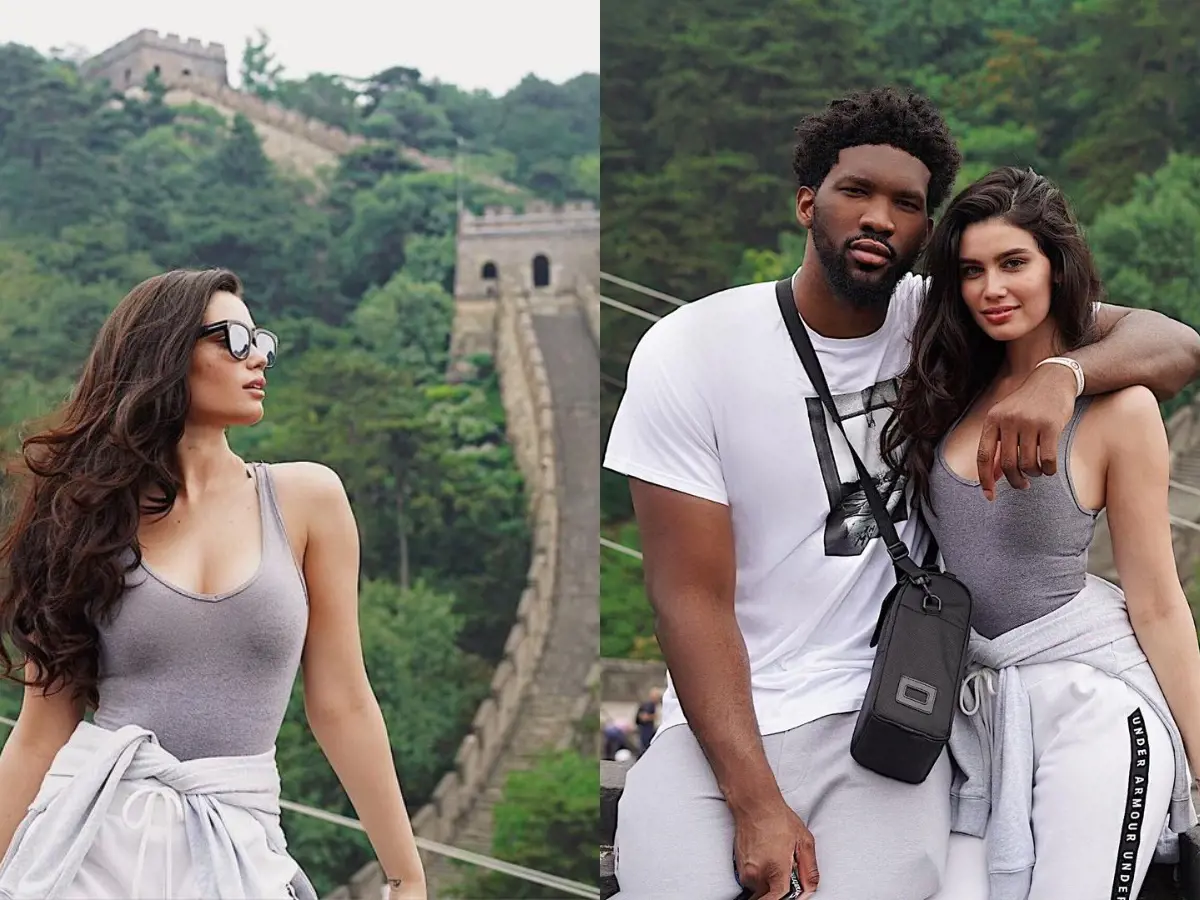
[194,72]
[527,292]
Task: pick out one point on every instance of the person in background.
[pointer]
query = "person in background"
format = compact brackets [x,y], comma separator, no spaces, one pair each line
[618,739]
[647,717]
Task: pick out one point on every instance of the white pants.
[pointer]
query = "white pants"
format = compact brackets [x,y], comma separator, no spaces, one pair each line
[117,816]
[1103,773]
[876,838]
[142,852]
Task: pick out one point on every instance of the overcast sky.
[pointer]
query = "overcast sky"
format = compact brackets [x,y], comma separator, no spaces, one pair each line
[489,44]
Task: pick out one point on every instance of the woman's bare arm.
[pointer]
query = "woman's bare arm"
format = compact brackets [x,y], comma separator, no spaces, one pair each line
[1138,519]
[44,725]
[341,707]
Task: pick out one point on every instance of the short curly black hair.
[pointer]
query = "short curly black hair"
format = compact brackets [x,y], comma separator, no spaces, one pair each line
[906,121]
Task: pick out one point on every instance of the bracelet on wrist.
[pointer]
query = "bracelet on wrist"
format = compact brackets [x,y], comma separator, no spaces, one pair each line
[1075,367]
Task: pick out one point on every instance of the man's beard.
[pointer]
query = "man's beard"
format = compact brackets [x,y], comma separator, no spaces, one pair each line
[860,293]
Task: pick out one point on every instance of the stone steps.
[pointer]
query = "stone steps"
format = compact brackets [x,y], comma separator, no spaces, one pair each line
[544,722]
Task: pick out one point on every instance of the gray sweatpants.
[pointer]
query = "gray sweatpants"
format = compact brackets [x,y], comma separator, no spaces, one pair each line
[876,838]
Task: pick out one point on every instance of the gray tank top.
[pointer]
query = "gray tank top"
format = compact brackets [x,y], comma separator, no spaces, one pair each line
[210,675]
[1023,555]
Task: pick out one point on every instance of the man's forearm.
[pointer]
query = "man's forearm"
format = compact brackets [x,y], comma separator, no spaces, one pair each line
[710,670]
[1143,347]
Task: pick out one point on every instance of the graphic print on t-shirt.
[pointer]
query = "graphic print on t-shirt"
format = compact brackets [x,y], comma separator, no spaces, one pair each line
[850,526]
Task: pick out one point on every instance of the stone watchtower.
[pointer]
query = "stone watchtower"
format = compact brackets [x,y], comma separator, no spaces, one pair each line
[550,253]
[545,248]
[127,64]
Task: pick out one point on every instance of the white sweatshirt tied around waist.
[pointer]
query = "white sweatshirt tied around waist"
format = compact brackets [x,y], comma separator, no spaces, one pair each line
[991,744]
[65,820]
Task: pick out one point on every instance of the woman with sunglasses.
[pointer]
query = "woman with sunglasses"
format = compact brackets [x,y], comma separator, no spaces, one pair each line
[153,576]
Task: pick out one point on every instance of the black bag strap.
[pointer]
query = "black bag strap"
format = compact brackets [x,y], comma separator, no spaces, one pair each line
[896,548]
[931,552]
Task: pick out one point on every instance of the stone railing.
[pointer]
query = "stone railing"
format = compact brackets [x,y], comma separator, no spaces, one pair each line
[586,716]
[327,137]
[1183,434]
[1183,430]
[630,680]
[589,302]
[538,217]
[530,416]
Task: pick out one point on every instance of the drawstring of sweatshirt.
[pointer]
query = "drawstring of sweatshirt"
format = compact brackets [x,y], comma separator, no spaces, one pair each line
[145,822]
[971,699]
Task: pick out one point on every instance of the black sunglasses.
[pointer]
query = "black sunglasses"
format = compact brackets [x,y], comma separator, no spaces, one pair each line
[240,337]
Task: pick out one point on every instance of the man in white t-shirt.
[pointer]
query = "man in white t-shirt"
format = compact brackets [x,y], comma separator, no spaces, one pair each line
[761,556]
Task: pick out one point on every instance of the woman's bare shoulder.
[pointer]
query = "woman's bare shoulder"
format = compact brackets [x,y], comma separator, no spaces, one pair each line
[307,479]
[1129,405]
[309,495]
[1127,420]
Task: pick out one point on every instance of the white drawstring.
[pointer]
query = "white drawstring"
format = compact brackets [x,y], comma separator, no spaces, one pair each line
[146,822]
[970,690]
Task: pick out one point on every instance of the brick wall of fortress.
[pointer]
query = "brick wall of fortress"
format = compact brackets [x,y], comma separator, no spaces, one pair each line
[1183,434]
[139,53]
[257,110]
[568,235]
[589,302]
[326,137]
[527,402]
[193,70]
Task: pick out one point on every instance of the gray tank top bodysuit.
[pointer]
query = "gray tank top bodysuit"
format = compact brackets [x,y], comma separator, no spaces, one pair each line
[1021,556]
[210,675]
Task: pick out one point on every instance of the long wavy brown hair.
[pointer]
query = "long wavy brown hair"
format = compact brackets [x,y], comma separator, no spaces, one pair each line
[84,483]
[953,359]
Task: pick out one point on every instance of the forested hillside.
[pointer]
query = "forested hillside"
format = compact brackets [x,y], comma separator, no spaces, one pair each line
[539,135]
[354,274]
[698,102]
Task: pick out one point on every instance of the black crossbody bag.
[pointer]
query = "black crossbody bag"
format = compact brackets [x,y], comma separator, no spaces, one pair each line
[921,635]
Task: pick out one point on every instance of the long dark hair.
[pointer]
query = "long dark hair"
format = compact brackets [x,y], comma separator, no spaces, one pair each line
[953,359]
[66,553]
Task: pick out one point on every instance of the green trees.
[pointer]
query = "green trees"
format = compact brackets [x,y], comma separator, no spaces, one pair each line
[547,817]
[1148,248]
[539,135]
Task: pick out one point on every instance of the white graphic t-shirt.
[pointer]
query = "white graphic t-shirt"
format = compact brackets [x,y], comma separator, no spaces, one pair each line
[718,405]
